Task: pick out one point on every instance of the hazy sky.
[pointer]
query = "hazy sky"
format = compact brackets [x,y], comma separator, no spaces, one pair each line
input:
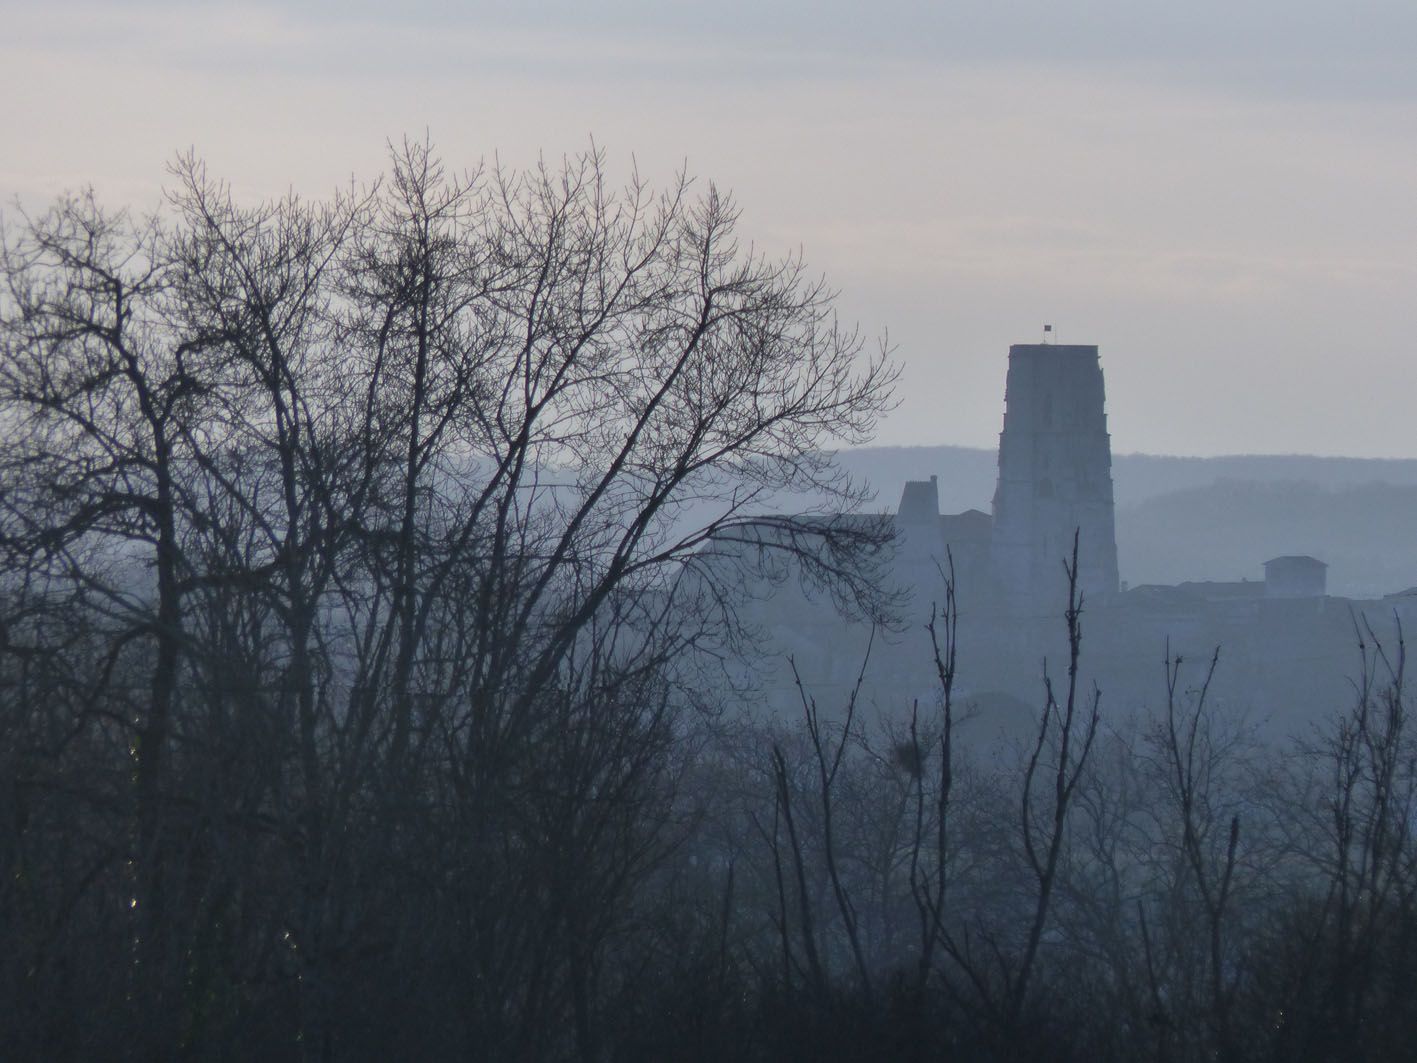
[1223,195]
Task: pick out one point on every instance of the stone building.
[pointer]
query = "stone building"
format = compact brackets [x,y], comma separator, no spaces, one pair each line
[1295,577]
[1286,646]
[1055,478]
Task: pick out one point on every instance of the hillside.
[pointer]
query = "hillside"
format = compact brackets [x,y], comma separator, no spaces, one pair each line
[1184,518]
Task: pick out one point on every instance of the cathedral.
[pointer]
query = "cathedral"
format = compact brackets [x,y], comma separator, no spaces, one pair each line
[1287,650]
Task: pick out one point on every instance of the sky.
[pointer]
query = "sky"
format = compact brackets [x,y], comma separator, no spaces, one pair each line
[1218,194]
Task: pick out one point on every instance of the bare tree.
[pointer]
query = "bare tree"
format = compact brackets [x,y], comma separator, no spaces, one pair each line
[95,388]
[1348,941]
[1074,720]
[391,499]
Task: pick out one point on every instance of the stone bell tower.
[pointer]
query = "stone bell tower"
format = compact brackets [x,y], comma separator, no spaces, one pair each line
[1055,477]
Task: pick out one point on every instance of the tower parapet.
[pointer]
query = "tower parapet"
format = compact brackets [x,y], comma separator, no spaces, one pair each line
[1055,477]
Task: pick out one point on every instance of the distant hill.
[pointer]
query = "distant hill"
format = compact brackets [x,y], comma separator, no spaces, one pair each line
[967,473]
[1367,533]
[1212,518]
[1139,477]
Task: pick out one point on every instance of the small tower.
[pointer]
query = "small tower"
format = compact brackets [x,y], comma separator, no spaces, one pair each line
[1055,477]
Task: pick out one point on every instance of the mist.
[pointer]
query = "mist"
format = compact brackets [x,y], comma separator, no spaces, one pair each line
[542,532]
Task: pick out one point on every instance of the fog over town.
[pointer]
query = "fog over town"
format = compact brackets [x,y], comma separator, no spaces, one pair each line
[782,531]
